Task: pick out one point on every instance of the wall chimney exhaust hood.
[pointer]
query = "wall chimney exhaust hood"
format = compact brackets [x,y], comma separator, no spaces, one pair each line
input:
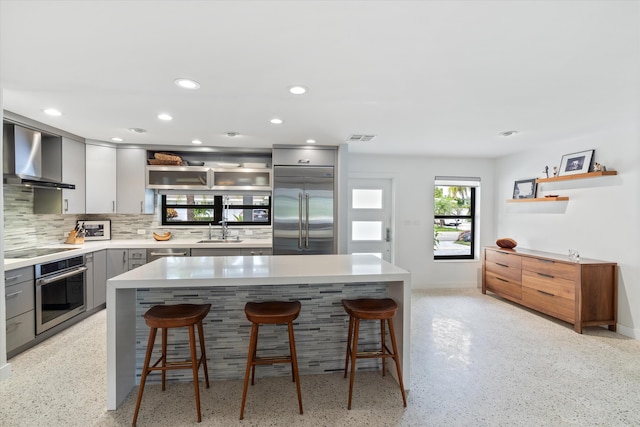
[23,155]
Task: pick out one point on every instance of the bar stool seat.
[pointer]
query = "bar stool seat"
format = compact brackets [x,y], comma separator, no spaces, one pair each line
[383,309]
[175,316]
[270,312]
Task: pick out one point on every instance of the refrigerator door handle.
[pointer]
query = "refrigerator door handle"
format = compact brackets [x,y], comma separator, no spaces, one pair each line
[306,225]
[299,220]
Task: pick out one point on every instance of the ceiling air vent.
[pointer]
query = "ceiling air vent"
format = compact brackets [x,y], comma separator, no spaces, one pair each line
[360,138]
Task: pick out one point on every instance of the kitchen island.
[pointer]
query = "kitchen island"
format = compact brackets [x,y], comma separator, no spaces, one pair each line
[228,282]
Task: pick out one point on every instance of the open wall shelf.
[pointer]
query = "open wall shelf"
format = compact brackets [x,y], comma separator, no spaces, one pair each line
[576,176]
[539,199]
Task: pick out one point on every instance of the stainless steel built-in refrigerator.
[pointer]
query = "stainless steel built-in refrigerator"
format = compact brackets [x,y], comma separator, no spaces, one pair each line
[303,210]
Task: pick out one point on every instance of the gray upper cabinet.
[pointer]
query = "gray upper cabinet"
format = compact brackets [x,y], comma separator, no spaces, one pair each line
[101,179]
[304,156]
[73,172]
[132,195]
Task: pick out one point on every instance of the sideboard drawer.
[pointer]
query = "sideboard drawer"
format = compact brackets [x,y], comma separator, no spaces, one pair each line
[511,273]
[553,305]
[551,268]
[503,286]
[505,259]
[551,285]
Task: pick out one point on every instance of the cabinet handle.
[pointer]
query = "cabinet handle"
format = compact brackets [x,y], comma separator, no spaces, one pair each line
[547,261]
[304,161]
[113,206]
[546,293]
[256,253]
[10,278]
[545,275]
[124,257]
[141,207]
[502,265]
[502,280]
[13,294]
[66,205]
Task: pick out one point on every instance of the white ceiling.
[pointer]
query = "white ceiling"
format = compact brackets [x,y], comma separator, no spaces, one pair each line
[426,77]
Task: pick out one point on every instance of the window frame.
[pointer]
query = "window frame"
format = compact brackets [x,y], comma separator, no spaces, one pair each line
[217,207]
[471,216]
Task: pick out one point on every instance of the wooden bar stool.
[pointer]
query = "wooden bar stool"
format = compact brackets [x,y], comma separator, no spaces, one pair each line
[371,309]
[270,312]
[175,316]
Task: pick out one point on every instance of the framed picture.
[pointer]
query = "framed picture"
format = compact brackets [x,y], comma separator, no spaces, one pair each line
[576,163]
[525,189]
[96,230]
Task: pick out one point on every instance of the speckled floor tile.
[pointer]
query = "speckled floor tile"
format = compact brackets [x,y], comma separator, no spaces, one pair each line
[476,360]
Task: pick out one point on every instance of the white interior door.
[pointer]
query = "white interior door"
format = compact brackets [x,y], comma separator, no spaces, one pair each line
[370,217]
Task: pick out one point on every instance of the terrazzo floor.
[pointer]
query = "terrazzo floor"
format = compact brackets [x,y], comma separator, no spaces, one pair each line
[476,360]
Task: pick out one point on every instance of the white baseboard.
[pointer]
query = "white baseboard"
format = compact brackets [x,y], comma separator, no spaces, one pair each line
[5,371]
[627,332]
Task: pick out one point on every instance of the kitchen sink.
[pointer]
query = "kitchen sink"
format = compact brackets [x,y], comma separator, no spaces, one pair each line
[219,241]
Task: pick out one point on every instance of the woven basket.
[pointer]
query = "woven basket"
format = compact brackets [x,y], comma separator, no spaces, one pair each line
[166,159]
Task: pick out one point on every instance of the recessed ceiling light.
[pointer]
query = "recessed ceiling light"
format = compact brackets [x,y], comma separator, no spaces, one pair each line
[196,141]
[116,139]
[232,134]
[52,112]
[187,84]
[310,141]
[508,133]
[297,90]
[138,130]
[164,116]
[276,121]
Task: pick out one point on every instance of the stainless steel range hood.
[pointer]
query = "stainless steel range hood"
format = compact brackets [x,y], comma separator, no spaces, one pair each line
[22,162]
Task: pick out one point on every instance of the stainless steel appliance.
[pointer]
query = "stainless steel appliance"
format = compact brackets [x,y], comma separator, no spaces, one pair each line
[158,253]
[303,210]
[60,289]
[27,161]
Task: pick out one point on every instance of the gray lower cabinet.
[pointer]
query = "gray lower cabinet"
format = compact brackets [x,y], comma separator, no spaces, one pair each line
[121,260]
[230,251]
[99,278]
[20,313]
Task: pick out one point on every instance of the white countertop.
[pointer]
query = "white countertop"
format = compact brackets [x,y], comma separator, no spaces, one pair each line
[258,270]
[10,264]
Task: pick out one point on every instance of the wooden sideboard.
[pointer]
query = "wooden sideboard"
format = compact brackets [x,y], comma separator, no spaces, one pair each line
[583,293]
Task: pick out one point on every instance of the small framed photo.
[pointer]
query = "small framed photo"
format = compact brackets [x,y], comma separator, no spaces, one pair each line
[96,230]
[576,163]
[525,189]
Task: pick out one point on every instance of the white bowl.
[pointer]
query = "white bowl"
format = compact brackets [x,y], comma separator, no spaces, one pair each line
[228,165]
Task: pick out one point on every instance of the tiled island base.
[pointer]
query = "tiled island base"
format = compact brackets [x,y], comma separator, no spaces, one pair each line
[320,330]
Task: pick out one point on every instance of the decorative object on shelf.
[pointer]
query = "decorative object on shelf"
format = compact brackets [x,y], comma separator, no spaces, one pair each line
[574,255]
[599,167]
[506,243]
[576,163]
[195,163]
[162,237]
[555,171]
[96,230]
[552,195]
[546,171]
[525,189]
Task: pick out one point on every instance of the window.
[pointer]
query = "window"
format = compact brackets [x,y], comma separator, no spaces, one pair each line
[454,215]
[194,209]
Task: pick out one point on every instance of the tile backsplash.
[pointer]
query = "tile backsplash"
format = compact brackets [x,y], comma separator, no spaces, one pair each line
[23,228]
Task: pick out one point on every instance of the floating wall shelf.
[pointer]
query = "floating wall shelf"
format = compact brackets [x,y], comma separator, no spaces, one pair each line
[539,199]
[576,176]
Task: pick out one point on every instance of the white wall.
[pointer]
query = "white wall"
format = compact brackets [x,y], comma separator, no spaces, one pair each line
[600,220]
[413,178]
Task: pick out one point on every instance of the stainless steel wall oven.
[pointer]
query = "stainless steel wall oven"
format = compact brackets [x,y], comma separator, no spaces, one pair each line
[60,289]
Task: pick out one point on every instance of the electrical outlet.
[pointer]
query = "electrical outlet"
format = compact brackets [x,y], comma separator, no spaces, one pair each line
[142,231]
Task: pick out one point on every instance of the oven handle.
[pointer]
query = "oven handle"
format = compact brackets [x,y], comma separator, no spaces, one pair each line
[46,281]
